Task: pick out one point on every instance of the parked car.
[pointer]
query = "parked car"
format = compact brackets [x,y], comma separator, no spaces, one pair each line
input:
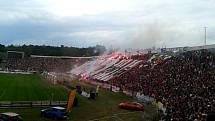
[132,105]
[10,116]
[54,113]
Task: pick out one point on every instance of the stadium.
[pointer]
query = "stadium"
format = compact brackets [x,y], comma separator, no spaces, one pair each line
[107,60]
[29,84]
[161,81]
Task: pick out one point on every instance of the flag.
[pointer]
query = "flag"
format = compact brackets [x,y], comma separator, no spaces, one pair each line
[97,89]
[70,101]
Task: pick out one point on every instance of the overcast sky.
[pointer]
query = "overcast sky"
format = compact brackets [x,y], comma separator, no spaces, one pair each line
[117,23]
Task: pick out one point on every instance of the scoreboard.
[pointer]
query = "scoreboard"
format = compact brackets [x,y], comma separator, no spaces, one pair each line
[15,55]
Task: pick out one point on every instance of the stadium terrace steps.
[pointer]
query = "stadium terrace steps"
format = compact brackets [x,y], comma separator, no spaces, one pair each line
[105,69]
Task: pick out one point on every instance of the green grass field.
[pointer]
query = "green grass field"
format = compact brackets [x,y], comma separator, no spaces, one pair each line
[102,108]
[20,87]
[32,87]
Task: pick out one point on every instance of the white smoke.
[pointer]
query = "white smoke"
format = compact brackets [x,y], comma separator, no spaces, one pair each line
[158,35]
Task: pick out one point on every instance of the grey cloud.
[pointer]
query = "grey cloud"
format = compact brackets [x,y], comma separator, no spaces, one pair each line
[148,23]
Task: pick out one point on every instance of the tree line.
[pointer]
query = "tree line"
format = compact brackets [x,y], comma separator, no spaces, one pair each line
[44,50]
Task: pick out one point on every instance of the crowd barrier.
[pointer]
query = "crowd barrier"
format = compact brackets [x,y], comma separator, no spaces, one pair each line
[30,104]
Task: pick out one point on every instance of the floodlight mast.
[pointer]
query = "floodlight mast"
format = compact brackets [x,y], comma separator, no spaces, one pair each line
[205,41]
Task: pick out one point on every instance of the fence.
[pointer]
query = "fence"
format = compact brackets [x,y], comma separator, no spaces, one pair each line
[30,104]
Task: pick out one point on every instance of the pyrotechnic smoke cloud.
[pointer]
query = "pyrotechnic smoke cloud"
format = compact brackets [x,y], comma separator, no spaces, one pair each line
[157,35]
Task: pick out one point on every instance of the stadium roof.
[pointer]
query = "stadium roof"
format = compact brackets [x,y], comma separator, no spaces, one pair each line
[38,56]
[15,52]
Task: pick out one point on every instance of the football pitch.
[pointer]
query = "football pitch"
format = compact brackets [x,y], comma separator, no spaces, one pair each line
[28,87]
[19,87]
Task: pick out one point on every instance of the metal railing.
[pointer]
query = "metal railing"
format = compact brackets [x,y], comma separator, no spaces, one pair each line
[30,104]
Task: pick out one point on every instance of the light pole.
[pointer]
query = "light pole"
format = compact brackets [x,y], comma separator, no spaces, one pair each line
[205,41]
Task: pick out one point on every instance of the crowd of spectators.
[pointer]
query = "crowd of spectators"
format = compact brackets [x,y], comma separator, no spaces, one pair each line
[185,84]
[43,64]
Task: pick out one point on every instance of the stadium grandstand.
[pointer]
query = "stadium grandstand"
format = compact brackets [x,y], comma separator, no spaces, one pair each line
[183,83]
[45,63]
